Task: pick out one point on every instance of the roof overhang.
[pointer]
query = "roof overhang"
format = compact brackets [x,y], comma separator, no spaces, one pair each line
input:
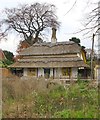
[50,64]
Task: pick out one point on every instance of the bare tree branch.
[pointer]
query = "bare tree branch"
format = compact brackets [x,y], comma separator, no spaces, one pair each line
[30,20]
[71,7]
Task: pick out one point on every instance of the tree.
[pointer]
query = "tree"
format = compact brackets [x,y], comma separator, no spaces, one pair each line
[30,20]
[2,34]
[92,19]
[22,45]
[76,40]
[9,55]
[7,59]
[93,24]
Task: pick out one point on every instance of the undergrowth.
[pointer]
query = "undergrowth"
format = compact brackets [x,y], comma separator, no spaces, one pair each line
[33,99]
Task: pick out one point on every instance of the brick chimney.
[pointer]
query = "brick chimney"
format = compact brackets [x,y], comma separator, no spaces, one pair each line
[53,38]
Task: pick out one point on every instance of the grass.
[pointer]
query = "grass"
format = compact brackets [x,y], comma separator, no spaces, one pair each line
[33,99]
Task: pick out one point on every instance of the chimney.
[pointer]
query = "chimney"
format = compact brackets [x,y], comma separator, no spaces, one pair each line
[53,38]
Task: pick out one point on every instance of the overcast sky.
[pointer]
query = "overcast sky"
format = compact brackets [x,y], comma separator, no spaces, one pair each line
[70,21]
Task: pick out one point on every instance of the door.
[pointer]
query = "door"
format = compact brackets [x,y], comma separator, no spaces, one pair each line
[47,72]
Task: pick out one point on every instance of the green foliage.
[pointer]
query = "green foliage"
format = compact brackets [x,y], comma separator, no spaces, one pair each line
[2,64]
[72,114]
[7,62]
[76,40]
[77,100]
[62,114]
[9,55]
[83,47]
[9,59]
[57,92]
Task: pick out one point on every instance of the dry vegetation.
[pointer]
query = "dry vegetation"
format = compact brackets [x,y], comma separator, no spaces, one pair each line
[35,99]
[19,96]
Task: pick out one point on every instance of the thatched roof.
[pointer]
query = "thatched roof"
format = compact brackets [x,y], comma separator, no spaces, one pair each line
[48,64]
[60,54]
[48,48]
[50,59]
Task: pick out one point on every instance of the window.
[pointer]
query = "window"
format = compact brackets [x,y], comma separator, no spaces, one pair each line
[47,72]
[32,71]
[66,71]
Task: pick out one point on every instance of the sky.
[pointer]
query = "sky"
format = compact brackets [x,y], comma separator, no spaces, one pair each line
[71,20]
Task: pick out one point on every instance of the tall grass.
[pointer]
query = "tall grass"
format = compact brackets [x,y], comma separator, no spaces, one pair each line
[34,99]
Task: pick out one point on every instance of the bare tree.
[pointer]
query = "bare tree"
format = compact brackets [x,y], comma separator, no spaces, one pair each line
[92,20]
[2,33]
[30,20]
[93,25]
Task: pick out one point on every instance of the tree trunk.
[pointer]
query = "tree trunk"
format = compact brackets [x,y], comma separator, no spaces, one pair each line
[92,55]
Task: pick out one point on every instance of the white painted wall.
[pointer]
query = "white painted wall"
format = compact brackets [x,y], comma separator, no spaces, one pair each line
[40,72]
[25,72]
[74,72]
[51,72]
[59,72]
[55,73]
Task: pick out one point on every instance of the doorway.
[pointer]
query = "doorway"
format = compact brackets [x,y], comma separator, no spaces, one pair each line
[46,72]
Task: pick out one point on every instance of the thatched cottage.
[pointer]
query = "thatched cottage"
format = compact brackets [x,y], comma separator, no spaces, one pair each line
[53,59]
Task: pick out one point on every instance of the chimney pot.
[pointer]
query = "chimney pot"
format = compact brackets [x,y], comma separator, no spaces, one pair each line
[53,38]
